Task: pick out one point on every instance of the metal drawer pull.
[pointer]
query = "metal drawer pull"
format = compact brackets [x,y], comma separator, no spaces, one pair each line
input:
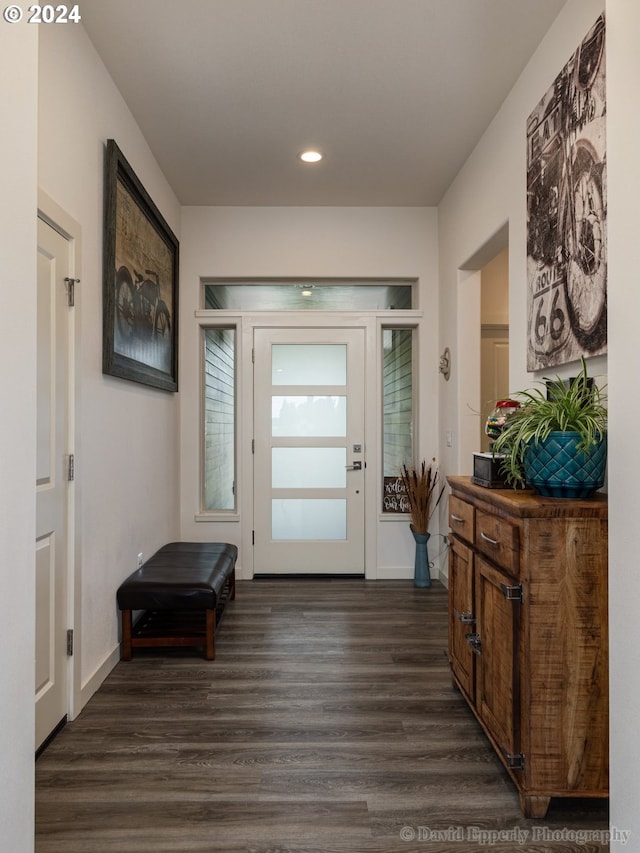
[456,518]
[474,642]
[488,539]
[467,617]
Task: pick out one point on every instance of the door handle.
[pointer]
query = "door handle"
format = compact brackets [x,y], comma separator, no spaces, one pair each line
[466,617]
[357,466]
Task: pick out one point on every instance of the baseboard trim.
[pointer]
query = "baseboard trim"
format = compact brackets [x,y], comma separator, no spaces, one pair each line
[325,576]
[93,682]
[50,738]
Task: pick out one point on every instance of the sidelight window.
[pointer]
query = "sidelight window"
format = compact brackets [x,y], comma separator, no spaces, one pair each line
[398,413]
[219,427]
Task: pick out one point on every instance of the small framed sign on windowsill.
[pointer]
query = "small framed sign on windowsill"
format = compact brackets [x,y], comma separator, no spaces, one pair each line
[394,496]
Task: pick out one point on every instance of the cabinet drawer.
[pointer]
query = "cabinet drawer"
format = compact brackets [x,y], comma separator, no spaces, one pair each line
[461,518]
[499,540]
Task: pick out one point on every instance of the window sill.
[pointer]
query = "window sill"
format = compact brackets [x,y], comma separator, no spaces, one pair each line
[216,516]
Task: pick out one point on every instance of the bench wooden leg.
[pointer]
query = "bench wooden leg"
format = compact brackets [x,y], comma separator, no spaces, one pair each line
[210,646]
[125,646]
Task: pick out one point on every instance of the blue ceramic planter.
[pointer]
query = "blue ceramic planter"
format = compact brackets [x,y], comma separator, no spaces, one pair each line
[556,469]
[421,574]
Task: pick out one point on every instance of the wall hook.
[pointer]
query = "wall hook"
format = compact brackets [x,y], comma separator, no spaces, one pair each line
[445,363]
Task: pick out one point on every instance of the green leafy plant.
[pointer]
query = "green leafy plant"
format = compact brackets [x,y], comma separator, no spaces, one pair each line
[577,406]
[422,485]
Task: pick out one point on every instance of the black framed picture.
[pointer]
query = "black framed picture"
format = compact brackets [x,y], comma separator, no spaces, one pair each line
[140,282]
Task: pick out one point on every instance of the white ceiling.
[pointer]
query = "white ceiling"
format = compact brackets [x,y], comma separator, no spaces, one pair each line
[396,93]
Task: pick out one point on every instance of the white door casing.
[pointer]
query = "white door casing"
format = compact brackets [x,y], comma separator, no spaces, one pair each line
[309,459]
[52,483]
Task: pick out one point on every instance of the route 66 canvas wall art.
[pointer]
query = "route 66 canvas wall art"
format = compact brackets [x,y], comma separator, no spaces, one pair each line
[567,212]
[140,282]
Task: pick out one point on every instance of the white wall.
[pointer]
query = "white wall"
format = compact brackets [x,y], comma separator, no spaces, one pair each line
[623,132]
[489,191]
[127,434]
[18,202]
[126,500]
[306,242]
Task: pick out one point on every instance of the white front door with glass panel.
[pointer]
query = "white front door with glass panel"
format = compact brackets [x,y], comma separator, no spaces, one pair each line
[309,462]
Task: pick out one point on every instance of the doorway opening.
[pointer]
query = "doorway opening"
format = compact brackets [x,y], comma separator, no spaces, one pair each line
[483,342]
[494,337]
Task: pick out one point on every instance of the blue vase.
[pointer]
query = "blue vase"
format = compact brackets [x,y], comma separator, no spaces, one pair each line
[421,575]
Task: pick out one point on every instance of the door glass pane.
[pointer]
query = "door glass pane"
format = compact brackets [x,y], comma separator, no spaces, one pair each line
[308,416]
[308,467]
[308,519]
[309,364]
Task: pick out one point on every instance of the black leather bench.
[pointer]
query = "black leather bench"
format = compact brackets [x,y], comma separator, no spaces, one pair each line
[182,591]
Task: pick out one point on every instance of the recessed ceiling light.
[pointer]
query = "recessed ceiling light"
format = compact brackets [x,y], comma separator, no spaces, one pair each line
[311,156]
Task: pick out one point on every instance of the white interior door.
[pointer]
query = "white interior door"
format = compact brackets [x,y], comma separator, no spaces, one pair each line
[494,373]
[309,451]
[51,481]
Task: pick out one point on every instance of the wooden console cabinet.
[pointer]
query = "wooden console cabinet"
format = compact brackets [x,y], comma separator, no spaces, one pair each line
[528,641]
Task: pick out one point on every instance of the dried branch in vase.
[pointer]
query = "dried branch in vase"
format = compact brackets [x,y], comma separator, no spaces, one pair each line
[424,490]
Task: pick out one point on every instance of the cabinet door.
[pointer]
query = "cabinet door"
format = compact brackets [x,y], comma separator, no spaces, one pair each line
[497,675]
[461,616]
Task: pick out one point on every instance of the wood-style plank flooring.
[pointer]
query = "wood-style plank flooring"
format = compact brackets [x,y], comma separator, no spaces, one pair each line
[326,724]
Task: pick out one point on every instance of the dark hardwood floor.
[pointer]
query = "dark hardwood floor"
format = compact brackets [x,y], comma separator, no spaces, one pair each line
[326,724]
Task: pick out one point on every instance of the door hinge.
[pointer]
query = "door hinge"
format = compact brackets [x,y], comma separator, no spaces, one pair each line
[70,642]
[253,356]
[71,290]
[253,445]
[71,468]
[253,537]
[514,760]
[512,593]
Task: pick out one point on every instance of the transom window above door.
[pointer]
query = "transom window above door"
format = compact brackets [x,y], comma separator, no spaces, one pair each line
[309,294]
